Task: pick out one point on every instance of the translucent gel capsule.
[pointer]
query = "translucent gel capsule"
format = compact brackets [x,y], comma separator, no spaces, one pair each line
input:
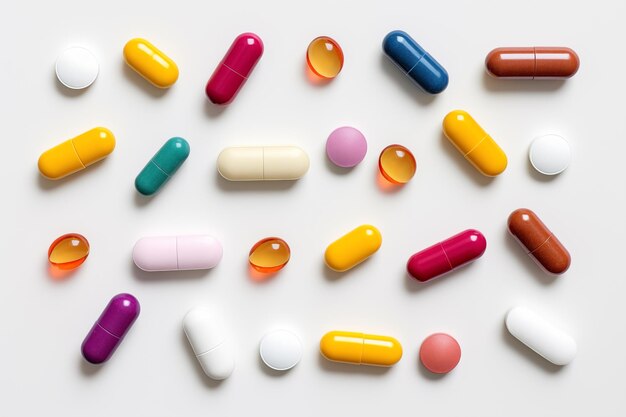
[68,251]
[269,255]
[324,57]
[397,164]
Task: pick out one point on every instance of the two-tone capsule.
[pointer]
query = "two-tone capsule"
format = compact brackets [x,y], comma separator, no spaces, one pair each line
[162,166]
[447,255]
[77,153]
[532,63]
[234,69]
[177,253]
[360,349]
[415,62]
[262,163]
[541,245]
[149,62]
[474,143]
[353,248]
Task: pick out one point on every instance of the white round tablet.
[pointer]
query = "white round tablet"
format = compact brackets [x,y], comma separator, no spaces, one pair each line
[550,154]
[77,67]
[280,350]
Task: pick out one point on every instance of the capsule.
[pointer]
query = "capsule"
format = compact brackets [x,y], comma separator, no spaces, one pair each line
[209,340]
[162,166]
[541,245]
[550,342]
[234,69]
[262,163]
[149,62]
[360,348]
[474,143]
[353,248]
[532,63]
[177,253]
[447,255]
[415,62]
[76,154]
[108,332]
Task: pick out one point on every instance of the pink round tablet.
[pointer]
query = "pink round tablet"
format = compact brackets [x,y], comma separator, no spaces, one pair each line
[440,353]
[346,147]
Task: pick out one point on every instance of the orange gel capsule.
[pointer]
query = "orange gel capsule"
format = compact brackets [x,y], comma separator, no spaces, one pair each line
[397,164]
[269,255]
[69,251]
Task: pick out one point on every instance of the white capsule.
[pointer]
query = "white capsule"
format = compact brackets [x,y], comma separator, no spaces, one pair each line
[268,163]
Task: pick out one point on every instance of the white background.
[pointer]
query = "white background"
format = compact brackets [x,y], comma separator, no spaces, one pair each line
[154,373]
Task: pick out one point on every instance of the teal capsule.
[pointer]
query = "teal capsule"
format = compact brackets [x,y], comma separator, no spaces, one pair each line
[162,166]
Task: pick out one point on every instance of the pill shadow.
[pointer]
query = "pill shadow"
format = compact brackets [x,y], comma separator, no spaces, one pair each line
[246,186]
[57,274]
[538,176]
[46,184]
[405,83]
[208,382]
[66,91]
[312,78]
[415,286]
[496,85]
[88,369]
[166,276]
[333,276]
[141,83]
[348,368]
[425,373]
[386,186]
[212,110]
[271,372]
[527,262]
[463,164]
[261,277]
[528,353]
[336,169]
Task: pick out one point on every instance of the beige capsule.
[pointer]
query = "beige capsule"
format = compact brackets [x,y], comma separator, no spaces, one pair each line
[262,163]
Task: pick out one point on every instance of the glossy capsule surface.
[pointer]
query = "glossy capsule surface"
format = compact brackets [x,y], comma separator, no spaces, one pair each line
[68,252]
[353,248]
[269,255]
[324,57]
[532,63]
[360,348]
[262,163]
[234,69]
[163,165]
[397,164]
[474,143]
[76,154]
[447,255]
[540,244]
[149,62]
[415,62]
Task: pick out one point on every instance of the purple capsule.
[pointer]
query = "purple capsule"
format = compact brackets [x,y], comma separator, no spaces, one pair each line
[110,328]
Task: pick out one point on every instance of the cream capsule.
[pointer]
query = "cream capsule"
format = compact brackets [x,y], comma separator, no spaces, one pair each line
[262,163]
[177,253]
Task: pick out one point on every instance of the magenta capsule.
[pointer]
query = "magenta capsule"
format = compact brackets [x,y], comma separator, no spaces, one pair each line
[447,255]
[236,66]
[112,325]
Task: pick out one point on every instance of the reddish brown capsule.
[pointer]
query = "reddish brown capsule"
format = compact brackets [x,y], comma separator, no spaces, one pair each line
[532,63]
[541,244]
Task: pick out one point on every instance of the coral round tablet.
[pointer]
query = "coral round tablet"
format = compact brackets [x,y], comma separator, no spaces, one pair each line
[280,350]
[77,67]
[149,62]
[397,164]
[550,154]
[269,255]
[346,147]
[533,63]
[440,353]
[163,165]
[177,253]
[69,251]
[360,349]
[353,248]
[324,57]
[263,163]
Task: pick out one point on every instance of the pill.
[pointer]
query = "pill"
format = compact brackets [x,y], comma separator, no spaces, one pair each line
[532,63]
[541,336]
[76,68]
[541,245]
[149,62]
[177,253]
[440,353]
[324,57]
[269,255]
[346,147]
[474,143]
[360,348]
[68,252]
[353,248]
[447,255]
[109,330]
[234,69]
[550,154]
[210,341]
[415,62]
[397,164]
[76,154]
[280,350]
[262,163]
[162,166]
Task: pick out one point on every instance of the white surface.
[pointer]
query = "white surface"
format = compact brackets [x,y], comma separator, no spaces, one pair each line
[550,154]
[77,68]
[154,372]
[281,350]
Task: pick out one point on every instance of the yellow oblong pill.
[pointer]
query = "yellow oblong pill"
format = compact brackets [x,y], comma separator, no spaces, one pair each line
[150,63]
[474,143]
[360,348]
[353,248]
[77,153]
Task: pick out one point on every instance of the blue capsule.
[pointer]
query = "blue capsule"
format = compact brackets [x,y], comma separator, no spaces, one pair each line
[415,62]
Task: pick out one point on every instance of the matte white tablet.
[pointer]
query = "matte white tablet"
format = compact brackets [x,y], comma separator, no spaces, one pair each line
[280,350]
[77,68]
[550,154]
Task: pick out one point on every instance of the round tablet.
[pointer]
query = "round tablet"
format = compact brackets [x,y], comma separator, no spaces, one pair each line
[346,147]
[280,350]
[77,68]
[550,154]
[440,353]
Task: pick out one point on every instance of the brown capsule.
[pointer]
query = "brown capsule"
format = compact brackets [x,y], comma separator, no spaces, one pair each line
[532,63]
[541,244]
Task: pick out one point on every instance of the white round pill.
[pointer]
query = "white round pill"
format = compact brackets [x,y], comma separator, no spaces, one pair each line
[280,350]
[550,154]
[77,68]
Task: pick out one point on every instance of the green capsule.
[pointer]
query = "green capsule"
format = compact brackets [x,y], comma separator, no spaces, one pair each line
[162,166]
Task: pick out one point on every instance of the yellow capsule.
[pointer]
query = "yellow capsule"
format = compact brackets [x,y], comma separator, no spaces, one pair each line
[76,154]
[360,349]
[150,63]
[474,143]
[353,248]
